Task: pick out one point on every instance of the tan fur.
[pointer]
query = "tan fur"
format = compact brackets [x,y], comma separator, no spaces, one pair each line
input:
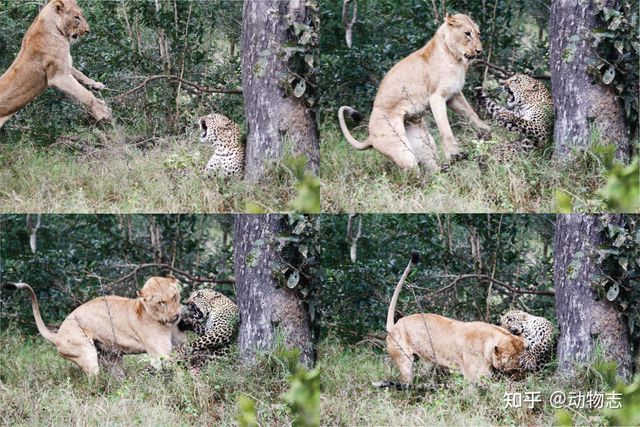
[117,325]
[45,61]
[431,77]
[475,348]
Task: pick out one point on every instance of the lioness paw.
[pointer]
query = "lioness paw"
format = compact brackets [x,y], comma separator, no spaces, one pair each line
[97,86]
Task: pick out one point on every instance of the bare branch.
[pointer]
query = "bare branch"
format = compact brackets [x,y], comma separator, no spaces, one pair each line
[348,23]
[173,78]
[507,286]
[189,276]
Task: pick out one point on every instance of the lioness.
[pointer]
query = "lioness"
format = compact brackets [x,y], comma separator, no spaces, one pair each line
[473,347]
[114,325]
[45,60]
[433,76]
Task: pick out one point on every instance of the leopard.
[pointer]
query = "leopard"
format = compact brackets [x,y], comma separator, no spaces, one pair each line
[529,112]
[214,318]
[229,154]
[538,332]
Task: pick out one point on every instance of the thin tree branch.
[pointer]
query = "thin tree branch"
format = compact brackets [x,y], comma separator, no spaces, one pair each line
[507,286]
[189,276]
[198,87]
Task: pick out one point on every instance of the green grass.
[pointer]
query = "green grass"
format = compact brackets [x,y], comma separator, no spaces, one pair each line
[365,181]
[348,398]
[114,171]
[38,387]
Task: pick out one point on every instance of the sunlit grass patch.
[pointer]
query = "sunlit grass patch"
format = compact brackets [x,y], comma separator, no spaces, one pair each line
[115,171]
[364,181]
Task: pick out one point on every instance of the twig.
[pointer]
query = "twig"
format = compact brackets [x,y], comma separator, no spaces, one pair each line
[196,86]
[500,283]
[189,276]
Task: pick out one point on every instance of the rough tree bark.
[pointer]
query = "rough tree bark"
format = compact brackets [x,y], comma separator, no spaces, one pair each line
[582,316]
[265,307]
[579,105]
[271,115]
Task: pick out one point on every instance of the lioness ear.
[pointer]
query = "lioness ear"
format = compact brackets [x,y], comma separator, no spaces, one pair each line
[496,350]
[451,20]
[58,5]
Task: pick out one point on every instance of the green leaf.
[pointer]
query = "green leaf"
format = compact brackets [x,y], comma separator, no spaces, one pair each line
[608,76]
[613,292]
[300,88]
[293,279]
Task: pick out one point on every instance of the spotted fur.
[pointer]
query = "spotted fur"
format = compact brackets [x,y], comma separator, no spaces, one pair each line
[223,134]
[539,334]
[529,109]
[214,318]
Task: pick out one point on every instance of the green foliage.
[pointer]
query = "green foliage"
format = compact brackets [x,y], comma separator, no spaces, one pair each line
[298,266]
[247,411]
[518,247]
[622,191]
[80,257]
[302,56]
[303,397]
[619,278]
[617,44]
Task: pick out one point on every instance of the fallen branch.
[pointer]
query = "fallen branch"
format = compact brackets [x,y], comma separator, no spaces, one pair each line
[198,87]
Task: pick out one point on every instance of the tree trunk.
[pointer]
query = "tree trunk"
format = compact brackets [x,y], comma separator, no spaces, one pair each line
[271,115]
[581,107]
[582,316]
[266,308]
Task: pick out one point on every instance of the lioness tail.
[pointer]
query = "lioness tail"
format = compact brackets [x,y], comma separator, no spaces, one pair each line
[44,331]
[415,257]
[345,130]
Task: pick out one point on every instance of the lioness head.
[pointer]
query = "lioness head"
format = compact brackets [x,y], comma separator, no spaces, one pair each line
[160,298]
[462,36]
[69,19]
[507,352]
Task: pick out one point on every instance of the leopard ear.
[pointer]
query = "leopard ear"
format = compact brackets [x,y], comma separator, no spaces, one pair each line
[58,5]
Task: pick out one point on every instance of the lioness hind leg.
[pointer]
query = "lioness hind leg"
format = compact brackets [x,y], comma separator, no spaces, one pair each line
[401,357]
[388,136]
[422,145]
[68,84]
[81,352]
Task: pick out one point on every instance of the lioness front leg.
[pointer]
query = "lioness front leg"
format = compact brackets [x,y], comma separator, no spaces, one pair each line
[87,81]
[439,110]
[458,103]
[68,84]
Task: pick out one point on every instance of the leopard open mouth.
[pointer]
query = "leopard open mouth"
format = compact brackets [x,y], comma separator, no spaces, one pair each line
[203,129]
[511,99]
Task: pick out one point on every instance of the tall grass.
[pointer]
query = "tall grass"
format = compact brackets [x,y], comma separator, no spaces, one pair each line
[38,387]
[116,171]
[365,181]
[348,397]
